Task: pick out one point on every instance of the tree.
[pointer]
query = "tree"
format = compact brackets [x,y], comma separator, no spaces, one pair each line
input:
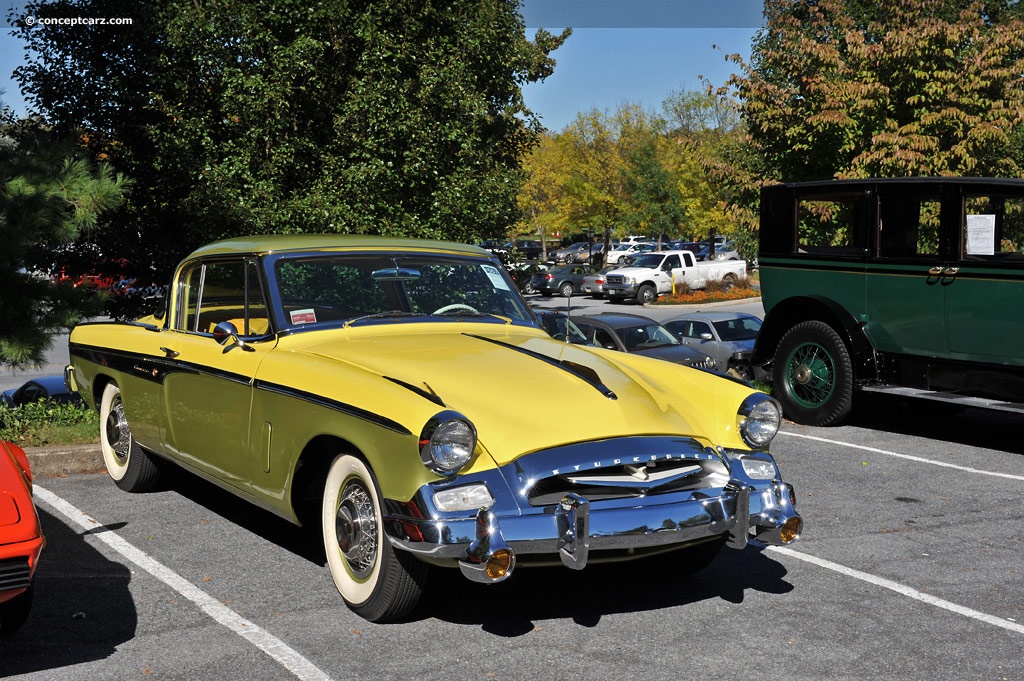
[48,197]
[850,88]
[349,116]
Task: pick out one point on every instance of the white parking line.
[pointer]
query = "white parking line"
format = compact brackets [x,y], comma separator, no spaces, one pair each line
[288,658]
[905,456]
[901,589]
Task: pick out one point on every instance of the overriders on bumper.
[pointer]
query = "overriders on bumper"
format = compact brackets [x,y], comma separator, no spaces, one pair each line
[702,495]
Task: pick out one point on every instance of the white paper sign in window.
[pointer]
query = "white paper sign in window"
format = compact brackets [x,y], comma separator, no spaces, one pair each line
[981,234]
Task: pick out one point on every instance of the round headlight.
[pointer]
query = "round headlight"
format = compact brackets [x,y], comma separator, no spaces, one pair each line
[447,443]
[759,418]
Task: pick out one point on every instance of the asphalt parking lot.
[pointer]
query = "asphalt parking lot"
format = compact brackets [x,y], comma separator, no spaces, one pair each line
[909,569]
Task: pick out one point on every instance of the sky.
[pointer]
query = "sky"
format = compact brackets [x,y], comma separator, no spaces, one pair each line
[635,51]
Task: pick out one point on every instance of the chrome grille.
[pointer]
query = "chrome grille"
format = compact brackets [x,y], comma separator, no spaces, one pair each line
[620,468]
[615,279]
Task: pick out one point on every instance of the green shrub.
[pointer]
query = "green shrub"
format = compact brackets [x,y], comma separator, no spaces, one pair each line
[43,423]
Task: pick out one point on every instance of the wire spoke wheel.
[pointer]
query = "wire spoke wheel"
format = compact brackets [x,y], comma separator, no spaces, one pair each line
[376,581]
[130,466]
[813,374]
[356,527]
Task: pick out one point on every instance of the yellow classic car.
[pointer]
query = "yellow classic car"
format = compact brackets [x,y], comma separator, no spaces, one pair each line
[370,387]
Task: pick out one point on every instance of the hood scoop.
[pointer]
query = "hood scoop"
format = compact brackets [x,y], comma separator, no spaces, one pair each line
[584,373]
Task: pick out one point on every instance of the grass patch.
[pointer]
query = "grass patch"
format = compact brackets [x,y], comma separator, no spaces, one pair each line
[49,423]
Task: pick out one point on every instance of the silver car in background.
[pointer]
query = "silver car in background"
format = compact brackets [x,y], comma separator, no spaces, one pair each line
[727,336]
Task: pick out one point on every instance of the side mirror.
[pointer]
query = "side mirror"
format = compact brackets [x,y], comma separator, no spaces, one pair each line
[706,336]
[226,331]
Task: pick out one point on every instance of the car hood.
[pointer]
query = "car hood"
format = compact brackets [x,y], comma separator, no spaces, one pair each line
[525,391]
[680,354]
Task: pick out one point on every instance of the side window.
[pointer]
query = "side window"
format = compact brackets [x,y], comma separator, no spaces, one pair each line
[604,339]
[671,263]
[697,328]
[908,225]
[993,228]
[833,226]
[687,260]
[224,292]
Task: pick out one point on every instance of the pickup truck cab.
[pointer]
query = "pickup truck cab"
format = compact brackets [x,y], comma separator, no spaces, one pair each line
[653,274]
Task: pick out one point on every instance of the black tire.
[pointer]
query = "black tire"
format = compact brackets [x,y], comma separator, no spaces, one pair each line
[728,281]
[565,290]
[376,581]
[130,466]
[14,612]
[646,294]
[813,375]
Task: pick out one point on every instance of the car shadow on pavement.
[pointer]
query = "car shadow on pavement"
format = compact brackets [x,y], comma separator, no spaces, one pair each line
[82,609]
[512,608]
[998,430]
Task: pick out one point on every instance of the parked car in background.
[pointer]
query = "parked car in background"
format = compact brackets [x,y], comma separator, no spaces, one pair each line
[42,388]
[372,390]
[641,335]
[569,253]
[628,248]
[593,254]
[529,249]
[523,274]
[593,283]
[653,274]
[727,336]
[21,538]
[565,280]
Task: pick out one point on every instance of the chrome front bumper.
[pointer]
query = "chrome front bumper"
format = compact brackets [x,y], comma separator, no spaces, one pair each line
[575,530]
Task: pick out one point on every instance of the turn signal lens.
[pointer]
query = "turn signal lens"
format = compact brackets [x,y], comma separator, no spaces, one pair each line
[500,564]
[791,530]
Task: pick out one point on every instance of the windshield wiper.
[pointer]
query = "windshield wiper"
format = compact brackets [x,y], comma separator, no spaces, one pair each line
[390,314]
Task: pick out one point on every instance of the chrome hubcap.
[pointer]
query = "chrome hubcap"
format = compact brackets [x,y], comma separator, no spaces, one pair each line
[118,435]
[356,527]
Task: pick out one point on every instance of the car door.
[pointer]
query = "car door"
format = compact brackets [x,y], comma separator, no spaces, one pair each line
[905,286]
[985,278]
[208,399]
[671,274]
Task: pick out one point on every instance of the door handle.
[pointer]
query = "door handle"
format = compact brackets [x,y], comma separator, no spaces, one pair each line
[950,271]
[171,354]
[935,271]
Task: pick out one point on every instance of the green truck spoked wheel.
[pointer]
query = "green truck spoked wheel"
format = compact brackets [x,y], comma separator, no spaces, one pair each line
[814,375]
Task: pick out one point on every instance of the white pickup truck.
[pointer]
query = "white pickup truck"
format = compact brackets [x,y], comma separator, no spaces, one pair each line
[652,274]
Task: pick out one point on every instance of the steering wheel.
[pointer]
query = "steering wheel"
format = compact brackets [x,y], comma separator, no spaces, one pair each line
[456,306]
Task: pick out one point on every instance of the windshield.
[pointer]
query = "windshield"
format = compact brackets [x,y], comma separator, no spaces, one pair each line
[377,288]
[649,260]
[646,336]
[744,328]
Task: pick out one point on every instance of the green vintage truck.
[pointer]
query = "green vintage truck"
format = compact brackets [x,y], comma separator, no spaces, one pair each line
[911,287]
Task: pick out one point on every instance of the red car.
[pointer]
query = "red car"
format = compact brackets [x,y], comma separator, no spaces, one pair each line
[20,538]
